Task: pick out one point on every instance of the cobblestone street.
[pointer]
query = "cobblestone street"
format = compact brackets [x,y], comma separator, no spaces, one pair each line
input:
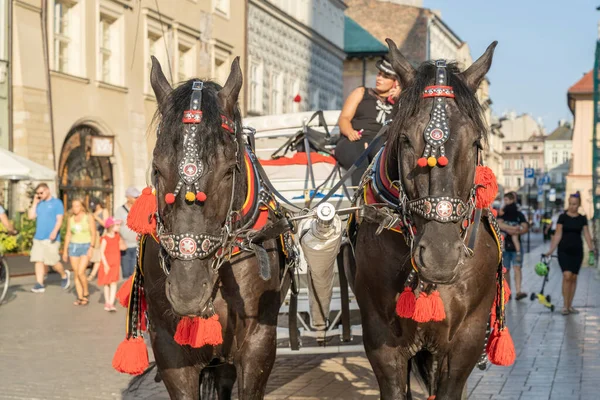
[51,349]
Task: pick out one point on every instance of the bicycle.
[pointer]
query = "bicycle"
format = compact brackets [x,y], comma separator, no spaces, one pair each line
[4,277]
[4,274]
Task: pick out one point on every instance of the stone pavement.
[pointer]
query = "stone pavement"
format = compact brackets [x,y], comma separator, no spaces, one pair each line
[50,349]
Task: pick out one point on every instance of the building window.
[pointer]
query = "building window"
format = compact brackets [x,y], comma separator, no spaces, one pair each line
[565,156]
[256,83]
[519,182]
[68,54]
[507,181]
[186,57]
[222,66]
[315,99]
[222,7]
[519,164]
[534,164]
[507,148]
[157,45]
[110,44]
[506,164]
[554,157]
[276,93]
[535,147]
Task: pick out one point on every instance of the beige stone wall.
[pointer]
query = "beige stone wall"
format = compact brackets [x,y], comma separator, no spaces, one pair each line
[125,110]
[580,175]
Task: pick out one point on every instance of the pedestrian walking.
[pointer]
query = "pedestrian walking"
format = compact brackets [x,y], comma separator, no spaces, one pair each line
[4,221]
[513,222]
[100,215]
[129,236]
[567,239]
[81,233]
[48,212]
[111,245]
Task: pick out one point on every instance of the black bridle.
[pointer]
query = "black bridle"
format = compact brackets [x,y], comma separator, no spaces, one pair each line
[190,246]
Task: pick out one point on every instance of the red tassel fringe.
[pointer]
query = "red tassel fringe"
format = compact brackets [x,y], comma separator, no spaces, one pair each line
[486,194]
[131,356]
[423,308]
[197,332]
[140,218]
[405,306]
[124,292]
[437,307]
[500,348]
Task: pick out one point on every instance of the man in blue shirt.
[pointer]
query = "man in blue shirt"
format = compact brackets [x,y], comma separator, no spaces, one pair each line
[48,213]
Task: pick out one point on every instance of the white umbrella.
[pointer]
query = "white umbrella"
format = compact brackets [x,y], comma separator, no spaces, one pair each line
[15,167]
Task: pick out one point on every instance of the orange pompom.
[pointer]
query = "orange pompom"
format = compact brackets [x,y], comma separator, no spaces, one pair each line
[169,198]
[437,307]
[422,162]
[201,197]
[124,292]
[442,161]
[487,189]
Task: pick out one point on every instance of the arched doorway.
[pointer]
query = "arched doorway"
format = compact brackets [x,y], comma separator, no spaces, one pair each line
[81,174]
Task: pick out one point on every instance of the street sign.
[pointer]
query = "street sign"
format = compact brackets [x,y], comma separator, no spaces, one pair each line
[552,195]
[540,192]
[529,176]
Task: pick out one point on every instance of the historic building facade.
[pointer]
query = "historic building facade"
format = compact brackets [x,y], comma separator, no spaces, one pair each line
[558,149]
[295,55]
[581,104]
[4,77]
[86,108]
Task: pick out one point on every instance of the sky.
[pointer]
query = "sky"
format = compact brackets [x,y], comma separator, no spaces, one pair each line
[544,47]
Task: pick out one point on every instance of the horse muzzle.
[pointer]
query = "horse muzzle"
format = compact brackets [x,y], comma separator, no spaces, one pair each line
[190,288]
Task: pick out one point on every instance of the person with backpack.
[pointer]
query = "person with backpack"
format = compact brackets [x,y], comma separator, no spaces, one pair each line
[129,236]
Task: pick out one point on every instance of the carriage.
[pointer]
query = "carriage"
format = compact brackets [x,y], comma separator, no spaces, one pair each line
[221,246]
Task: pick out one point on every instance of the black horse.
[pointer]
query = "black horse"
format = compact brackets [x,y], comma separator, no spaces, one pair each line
[427,172]
[197,269]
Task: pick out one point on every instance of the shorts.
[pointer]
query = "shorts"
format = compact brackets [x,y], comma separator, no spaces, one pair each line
[78,249]
[96,256]
[509,259]
[45,251]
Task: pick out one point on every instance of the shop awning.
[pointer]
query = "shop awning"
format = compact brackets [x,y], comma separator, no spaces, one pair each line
[15,167]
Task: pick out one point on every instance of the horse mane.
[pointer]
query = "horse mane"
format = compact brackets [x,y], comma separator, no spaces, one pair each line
[211,136]
[411,100]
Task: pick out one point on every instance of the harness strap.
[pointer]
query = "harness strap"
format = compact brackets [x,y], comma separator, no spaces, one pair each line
[269,185]
[271,231]
[354,166]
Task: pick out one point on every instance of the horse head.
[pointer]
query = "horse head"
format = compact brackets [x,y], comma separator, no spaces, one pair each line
[199,181]
[436,136]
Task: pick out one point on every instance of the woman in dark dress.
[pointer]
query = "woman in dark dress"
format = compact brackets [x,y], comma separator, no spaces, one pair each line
[567,238]
[364,113]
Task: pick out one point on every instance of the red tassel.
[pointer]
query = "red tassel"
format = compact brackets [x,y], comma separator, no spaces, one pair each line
[198,332]
[131,356]
[488,190]
[494,212]
[182,334]
[423,308]
[140,218]
[493,314]
[210,332]
[506,292]
[124,292]
[501,349]
[405,306]
[437,307]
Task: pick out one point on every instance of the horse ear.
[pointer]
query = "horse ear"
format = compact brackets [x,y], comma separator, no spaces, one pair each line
[406,72]
[159,83]
[476,72]
[231,90]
